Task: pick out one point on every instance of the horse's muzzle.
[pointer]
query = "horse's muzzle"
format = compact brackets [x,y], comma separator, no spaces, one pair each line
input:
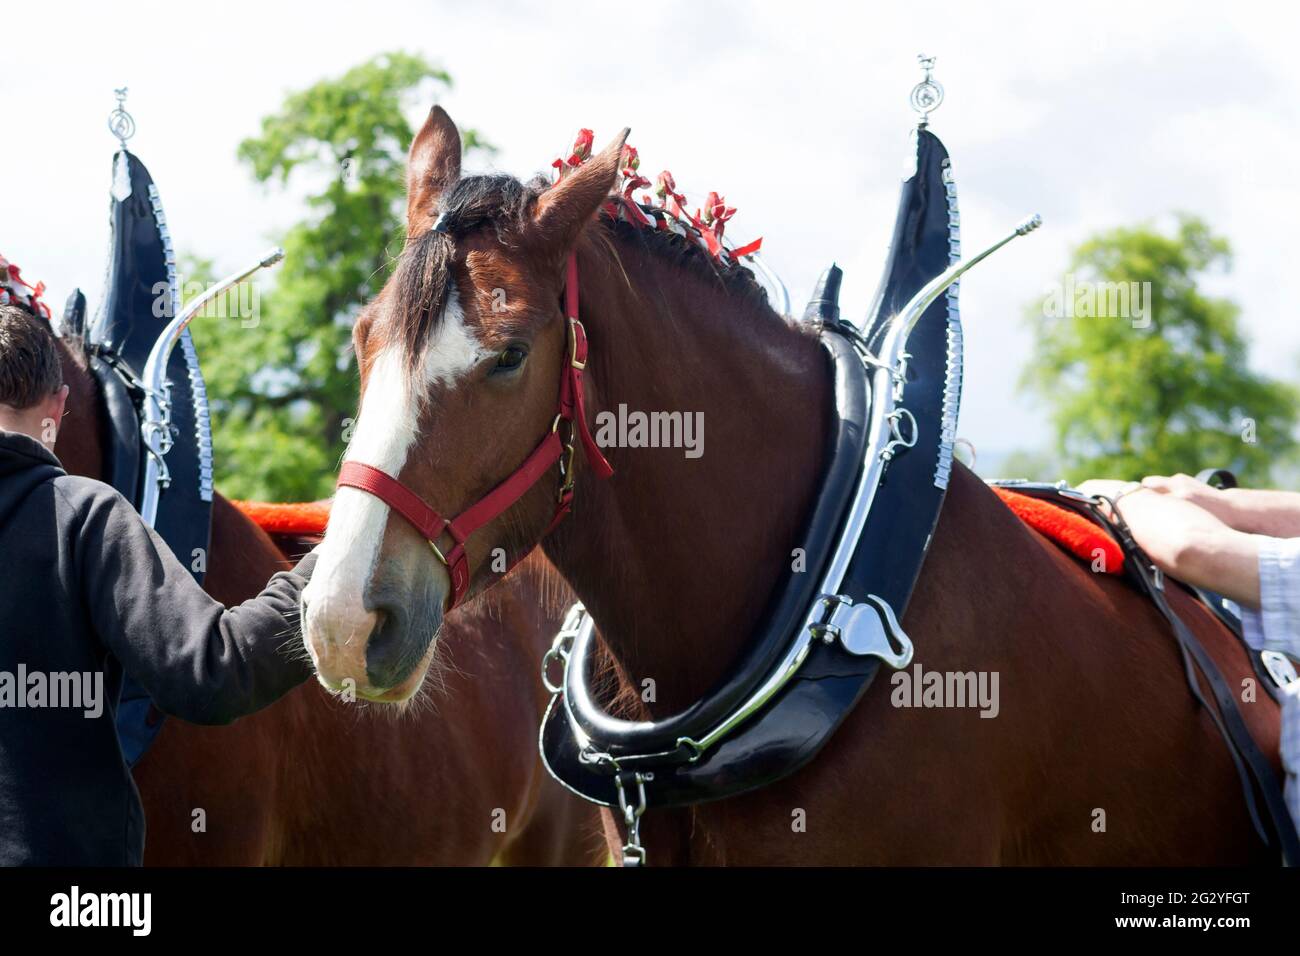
[400,642]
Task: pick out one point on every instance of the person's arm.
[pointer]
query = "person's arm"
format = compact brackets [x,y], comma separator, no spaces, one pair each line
[1186,541]
[1252,510]
[198,660]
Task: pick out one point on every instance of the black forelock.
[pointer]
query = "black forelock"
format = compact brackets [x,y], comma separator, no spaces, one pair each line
[495,199]
[423,276]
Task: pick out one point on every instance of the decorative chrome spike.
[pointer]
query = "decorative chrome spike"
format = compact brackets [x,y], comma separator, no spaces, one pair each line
[911,313]
[157,406]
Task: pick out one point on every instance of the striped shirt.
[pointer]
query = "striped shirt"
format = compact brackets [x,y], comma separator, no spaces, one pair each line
[1276,627]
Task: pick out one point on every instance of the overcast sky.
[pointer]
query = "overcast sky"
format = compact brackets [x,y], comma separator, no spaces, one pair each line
[1095,115]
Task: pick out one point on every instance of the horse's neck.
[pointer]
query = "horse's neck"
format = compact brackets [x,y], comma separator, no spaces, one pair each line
[676,557]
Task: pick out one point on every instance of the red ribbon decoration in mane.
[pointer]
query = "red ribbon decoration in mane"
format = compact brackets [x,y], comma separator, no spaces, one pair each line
[11,284]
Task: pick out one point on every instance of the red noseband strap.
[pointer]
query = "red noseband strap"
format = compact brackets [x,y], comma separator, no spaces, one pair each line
[570,414]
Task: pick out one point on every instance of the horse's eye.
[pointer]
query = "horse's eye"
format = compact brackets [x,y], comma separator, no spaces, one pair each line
[512,358]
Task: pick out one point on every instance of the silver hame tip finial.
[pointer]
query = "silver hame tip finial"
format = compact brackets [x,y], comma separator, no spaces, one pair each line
[120,122]
[928,94]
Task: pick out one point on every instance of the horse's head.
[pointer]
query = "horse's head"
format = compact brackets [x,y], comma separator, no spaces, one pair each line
[460,357]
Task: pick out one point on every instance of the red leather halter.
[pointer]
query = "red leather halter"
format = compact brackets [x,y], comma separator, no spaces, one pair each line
[571,412]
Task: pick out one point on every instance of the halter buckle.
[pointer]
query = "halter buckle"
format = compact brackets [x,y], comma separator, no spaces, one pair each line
[574,327]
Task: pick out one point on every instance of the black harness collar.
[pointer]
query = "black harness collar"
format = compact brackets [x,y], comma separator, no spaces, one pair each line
[735,740]
[140,298]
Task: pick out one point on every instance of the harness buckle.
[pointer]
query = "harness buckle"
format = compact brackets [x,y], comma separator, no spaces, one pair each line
[1279,668]
[869,628]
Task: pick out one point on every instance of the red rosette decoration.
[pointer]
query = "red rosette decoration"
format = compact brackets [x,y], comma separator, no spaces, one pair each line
[11,286]
[717,212]
[580,153]
[673,202]
[709,222]
[629,163]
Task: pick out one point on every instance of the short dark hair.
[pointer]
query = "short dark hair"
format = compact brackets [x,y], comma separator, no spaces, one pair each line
[29,361]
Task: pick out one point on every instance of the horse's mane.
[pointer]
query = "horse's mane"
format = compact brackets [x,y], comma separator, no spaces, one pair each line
[503,203]
[685,254]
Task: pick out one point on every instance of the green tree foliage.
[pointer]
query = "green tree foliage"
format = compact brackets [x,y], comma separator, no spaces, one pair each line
[283,381]
[1035,465]
[1161,384]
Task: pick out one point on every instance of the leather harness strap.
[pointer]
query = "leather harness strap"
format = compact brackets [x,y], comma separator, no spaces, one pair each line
[571,411]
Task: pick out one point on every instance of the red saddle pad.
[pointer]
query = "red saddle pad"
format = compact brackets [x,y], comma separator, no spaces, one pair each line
[1070,530]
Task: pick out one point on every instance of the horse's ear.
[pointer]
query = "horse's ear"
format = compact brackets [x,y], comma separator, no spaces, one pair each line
[567,206]
[432,168]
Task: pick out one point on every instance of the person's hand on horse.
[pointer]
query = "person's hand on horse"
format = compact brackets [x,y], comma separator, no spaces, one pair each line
[1110,489]
[1184,539]
[1199,493]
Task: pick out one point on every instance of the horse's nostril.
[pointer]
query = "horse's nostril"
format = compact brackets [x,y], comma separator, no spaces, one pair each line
[390,655]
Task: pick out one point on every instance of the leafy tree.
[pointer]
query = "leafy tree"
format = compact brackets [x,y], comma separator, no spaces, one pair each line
[282,378]
[1032,464]
[1145,374]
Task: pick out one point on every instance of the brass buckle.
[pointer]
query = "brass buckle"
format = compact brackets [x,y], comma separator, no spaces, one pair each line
[573,344]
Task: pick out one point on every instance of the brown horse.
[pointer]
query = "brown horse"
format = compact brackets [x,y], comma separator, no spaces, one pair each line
[314,781]
[1098,754]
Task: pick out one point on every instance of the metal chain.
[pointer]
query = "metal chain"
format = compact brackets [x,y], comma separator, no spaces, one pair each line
[633,851]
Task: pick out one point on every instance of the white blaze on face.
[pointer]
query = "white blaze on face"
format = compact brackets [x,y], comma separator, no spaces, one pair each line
[382,437]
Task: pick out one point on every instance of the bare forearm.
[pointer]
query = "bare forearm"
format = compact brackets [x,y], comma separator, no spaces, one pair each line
[1257,511]
[1190,543]
[1226,562]
[1254,511]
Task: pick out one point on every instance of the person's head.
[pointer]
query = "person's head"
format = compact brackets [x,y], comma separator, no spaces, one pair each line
[32,393]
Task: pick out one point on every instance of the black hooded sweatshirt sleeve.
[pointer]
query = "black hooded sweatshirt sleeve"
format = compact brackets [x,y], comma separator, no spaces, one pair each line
[198,659]
[86,592]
